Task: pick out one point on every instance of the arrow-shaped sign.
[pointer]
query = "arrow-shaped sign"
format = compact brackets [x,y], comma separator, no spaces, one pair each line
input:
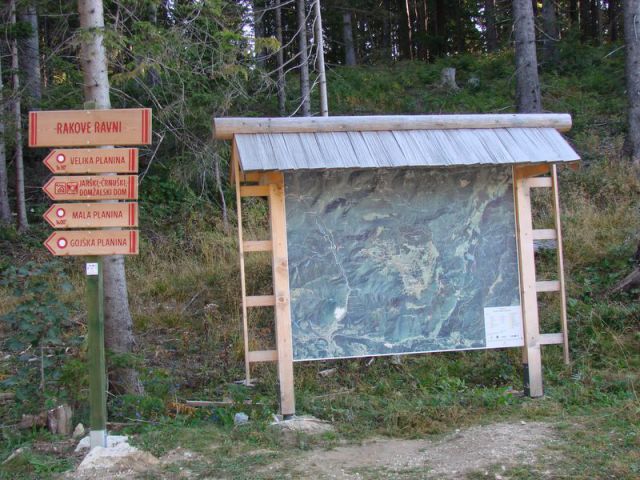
[89,187]
[93,160]
[92,215]
[93,242]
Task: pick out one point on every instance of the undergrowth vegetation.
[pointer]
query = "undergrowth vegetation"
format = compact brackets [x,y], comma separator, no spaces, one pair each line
[184,296]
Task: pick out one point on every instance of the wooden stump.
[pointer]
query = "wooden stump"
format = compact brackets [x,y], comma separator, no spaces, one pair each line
[448,78]
[59,420]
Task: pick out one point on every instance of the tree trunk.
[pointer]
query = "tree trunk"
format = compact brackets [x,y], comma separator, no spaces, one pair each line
[118,327]
[258,31]
[280,83]
[594,26]
[29,47]
[347,35]
[407,11]
[441,28]
[460,33]
[585,20]
[613,20]
[527,83]
[5,208]
[386,31]
[305,93]
[322,74]
[21,203]
[631,14]
[550,32]
[491,33]
[573,12]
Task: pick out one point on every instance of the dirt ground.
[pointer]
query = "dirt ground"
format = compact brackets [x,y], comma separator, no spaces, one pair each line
[480,449]
[486,451]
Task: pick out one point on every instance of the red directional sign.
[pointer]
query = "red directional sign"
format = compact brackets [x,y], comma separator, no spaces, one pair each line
[79,128]
[93,160]
[92,215]
[89,187]
[93,242]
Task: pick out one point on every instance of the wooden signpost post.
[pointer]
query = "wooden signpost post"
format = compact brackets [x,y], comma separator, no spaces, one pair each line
[105,186]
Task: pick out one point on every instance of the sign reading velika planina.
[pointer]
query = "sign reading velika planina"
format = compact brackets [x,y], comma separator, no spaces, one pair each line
[104,189]
[92,160]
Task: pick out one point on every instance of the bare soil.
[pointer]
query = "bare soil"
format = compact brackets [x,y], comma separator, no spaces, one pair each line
[487,450]
[482,449]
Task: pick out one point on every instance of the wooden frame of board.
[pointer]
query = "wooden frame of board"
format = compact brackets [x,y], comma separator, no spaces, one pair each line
[270,185]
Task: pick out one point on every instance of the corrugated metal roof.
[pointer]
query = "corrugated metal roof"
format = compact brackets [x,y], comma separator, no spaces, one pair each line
[384,149]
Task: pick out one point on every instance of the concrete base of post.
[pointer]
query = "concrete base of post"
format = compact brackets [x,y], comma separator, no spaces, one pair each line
[98,438]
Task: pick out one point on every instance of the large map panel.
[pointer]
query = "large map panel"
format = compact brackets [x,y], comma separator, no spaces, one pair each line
[401,261]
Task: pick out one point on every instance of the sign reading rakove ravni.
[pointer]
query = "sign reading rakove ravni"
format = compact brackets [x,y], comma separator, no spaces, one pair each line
[400,261]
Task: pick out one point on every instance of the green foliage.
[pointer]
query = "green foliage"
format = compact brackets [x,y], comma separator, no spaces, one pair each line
[41,332]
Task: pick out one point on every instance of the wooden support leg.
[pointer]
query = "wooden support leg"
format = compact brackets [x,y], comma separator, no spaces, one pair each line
[284,344]
[243,285]
[531,354]
[560,256]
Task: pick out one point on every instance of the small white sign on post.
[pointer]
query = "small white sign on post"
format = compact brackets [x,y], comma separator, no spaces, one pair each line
[503,326]
[92,269]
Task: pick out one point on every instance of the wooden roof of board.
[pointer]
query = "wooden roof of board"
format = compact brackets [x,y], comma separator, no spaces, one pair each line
[391,142]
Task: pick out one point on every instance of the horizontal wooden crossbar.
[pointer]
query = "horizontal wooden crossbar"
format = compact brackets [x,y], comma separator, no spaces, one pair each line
[551,339]
[263,356]
[545,234]
[254,191]
[260,301]
[548,286]
[257,246]
[539,182]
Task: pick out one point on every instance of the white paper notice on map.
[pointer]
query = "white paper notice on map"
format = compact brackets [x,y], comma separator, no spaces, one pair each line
[503,327]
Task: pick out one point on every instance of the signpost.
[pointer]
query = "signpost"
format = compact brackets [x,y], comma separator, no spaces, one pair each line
[82,128]
[91,160]
[93,242]
[78,128]
[92,215]
[92,187]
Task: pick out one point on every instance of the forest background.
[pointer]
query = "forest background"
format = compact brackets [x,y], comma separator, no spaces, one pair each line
[192,60]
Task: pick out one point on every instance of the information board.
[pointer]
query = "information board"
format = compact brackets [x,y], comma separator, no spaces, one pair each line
[386,262]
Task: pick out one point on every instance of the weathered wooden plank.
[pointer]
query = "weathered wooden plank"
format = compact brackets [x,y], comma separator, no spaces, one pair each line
[78,128]
[226,128]
[257,245]
[280,257]
[263,356]
[551,339]
[539,182]
[531,353]
[548,286]
[260,301]
[254,190]
[533,170]
[560,260]
[243,285]
[544,234]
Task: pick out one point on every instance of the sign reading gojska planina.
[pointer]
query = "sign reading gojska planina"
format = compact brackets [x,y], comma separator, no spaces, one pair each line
[92,187]
[72,128]
[93,242]
[92,215]
[92,160]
